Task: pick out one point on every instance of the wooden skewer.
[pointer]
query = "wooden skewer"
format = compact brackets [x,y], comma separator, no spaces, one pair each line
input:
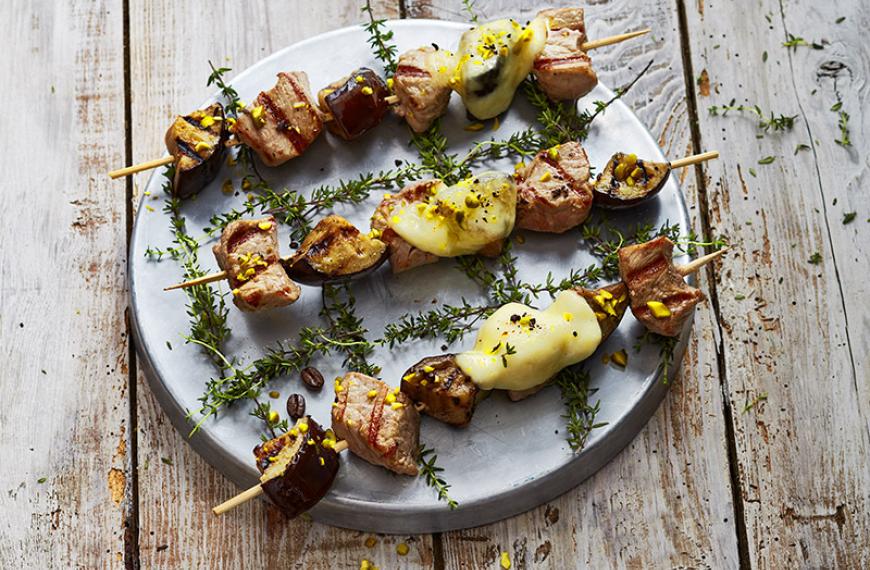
[210,278]
[697,264]
[612,40]
[156,163]
[257,490]
[695,159]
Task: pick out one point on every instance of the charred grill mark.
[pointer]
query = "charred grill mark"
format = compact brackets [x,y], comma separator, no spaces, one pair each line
[376,416]
[412,71]
[549,63]
[239,238]
[563,174]
[186,150]
[648,271]
[302,96]
[283,124]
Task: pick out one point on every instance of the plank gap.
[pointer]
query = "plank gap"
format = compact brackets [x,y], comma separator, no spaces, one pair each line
[706,228]
[131,510]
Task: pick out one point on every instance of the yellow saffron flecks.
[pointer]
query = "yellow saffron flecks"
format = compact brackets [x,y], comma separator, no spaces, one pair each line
[303,427]
[372,393]
[402,549]
[371,542]
[274,417]
[546,176]
[474,127]
[397,405]
[659,309]
[258,113]
[620,358]
[201,146]
[265,226]
[505,561]
[367,90]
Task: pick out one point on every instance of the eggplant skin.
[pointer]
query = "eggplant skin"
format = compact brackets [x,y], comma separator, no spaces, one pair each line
[335,250]
[304,480]
[618,302]
[446,392]
[194,170]
[614,194]
[354,111]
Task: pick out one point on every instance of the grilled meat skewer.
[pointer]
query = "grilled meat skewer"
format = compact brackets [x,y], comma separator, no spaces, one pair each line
[520,349]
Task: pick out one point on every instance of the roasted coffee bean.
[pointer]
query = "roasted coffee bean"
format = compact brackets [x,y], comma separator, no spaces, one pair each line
[312,378]
[296,406]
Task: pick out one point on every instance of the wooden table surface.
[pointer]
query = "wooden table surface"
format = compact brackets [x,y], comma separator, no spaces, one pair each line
[93,474]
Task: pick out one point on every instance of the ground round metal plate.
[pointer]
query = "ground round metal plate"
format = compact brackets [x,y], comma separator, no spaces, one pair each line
[513,456]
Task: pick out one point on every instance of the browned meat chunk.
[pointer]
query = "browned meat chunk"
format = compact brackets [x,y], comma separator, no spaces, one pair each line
[298,467]
[422,85]
[403,256]
[335,250]
[660,298]
[564,71]
[248,252]
[379,424]
[554,193]
[444,390]
[282,122]
[198,143]
[357,103]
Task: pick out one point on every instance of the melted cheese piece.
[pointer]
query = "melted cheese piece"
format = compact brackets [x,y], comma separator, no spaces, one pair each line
[494,58]
[459,219]
[519,347]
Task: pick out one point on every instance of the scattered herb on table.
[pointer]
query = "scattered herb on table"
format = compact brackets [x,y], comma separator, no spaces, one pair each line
[849,217]
[758,399]
[765,122]
[815,258]
[766,160]
[469,6]
[795,42]
[801,147]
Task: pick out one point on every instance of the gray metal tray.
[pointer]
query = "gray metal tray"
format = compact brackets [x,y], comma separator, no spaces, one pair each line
[514,456]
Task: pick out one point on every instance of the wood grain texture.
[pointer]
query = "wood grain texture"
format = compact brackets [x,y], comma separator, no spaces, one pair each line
[792,330]
[665,501]
[63,482]
[170,50]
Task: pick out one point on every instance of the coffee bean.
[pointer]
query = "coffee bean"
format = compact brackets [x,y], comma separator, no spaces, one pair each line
[312,378]
[296,406]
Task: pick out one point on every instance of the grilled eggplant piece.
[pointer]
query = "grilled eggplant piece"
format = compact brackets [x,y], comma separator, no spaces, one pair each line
[379,424]
[446,392]
[609,305]
[628,181]
[298,467]
[335,250]
[198,143]
[357,103]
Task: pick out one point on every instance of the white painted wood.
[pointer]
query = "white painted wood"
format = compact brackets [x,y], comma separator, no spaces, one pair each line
[802,454]
[62,241]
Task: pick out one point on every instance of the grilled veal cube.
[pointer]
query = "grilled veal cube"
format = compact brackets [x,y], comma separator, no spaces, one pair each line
[298,467]
[198,143]
[357,103]
[660,299]
[422,85]
[563,70]
[282,122]
[248,252]
[379,424]
[444,390]
[554,193]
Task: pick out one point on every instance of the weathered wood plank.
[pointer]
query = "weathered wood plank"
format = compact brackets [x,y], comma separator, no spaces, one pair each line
[171,44]
[665,500]
[794,331]
[63,482]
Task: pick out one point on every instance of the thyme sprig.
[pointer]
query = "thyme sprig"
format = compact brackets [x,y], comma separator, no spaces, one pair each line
[233,103]
[580,415]
[431,472]
[766,122]
[206,308]
[339,310]
[666,344]
[450,322]
[380,39]
[470,8]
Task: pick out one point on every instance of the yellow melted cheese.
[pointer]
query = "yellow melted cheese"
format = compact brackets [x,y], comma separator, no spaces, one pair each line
[519,347]
[459,219]
[493,59]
